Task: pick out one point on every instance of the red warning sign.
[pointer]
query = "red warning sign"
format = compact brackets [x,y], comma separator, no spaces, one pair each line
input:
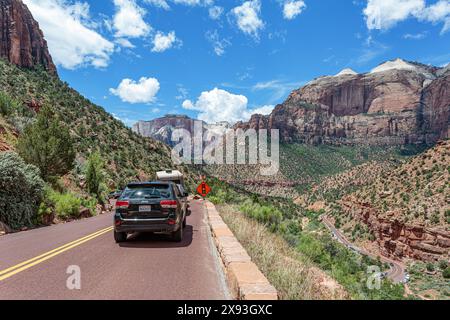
[203,189]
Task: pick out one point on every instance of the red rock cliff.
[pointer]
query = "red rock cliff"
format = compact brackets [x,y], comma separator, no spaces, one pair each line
[21,41]
[397,103]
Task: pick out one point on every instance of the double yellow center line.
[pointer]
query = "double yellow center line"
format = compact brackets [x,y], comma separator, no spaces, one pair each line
[7,273]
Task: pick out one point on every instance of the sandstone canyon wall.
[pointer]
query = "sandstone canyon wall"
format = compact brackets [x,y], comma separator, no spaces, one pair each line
[21,41]
[397,103]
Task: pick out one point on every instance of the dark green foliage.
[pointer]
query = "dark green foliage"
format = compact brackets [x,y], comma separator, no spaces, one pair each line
[47,144]
[21,190]
[7,104]
[446,273]
[95,175]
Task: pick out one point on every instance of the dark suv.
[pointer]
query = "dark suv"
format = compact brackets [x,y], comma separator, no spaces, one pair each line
[150,207]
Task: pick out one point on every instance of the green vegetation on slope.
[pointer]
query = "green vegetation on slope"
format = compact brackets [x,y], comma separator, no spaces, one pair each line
[302,230]
[127,155]
[81,151]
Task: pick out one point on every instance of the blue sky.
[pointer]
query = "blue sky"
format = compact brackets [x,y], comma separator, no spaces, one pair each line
[223,60]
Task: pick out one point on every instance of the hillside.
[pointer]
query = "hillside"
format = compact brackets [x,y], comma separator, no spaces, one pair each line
[401,208]
[128,156]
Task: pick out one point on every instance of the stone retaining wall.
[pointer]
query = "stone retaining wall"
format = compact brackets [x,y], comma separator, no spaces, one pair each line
[245,280]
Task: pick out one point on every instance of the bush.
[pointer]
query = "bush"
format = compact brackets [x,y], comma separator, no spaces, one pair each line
[7,104]
[21,191]
[446,273]
[67,205]
[443,264]
[264,214]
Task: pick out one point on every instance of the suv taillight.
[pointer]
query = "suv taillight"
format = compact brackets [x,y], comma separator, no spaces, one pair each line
[169,204]
[122,204]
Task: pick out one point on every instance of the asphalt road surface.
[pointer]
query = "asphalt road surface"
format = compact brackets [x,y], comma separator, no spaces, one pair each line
[44,263]
[397,270]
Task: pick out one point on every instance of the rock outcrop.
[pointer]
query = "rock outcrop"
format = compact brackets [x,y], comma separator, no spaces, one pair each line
[398,239]
[397,103]
[21,41]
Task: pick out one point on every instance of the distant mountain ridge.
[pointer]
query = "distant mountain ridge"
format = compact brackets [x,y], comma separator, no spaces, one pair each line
[161,129]
[21,40]
[397,103]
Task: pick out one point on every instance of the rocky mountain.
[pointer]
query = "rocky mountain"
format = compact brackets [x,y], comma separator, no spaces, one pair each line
[161,129]
[21,41]
[397,103]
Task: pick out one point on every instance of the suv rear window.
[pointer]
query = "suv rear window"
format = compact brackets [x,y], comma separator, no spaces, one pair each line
[147,192]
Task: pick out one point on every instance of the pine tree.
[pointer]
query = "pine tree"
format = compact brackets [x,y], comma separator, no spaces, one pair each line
[48,145]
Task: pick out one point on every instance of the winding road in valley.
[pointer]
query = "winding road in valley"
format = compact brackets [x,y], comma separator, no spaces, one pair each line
[45,263]
[396,273]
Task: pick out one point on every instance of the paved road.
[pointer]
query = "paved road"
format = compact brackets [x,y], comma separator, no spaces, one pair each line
[397,271]
[145,267]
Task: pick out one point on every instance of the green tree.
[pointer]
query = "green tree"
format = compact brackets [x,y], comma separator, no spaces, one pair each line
[47,144]
[95,175]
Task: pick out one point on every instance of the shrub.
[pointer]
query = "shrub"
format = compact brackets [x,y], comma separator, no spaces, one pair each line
[66,205]
[7,104]
[47,145]
[443,264]
[21,191]
[446,273]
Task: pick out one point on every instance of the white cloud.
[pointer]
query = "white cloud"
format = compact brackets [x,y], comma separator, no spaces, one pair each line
[219,44]
[84,46]
[292,9]
[220,105]
[142,91]
[415,36]
[385,14]
[264,110]
[247,17]
[163,42]
[215,12]
[129,19]
[159,3]
[125,43]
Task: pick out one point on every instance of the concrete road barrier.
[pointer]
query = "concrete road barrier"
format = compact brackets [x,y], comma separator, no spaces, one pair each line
[245,280]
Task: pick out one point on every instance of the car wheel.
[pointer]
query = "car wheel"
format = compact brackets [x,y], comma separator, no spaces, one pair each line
[120,237]
[177,236]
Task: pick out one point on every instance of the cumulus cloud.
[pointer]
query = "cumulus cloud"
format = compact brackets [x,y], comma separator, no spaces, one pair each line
[292,9]
[84,46]
[385,14]
[220,105]
[142,91]
[163,42]
[129,21]
[246,17]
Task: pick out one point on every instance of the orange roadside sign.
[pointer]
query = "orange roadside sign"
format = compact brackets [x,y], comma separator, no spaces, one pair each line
[203,189]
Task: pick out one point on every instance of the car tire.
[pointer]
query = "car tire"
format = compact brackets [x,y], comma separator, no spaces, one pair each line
[177,236]
[120,237]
